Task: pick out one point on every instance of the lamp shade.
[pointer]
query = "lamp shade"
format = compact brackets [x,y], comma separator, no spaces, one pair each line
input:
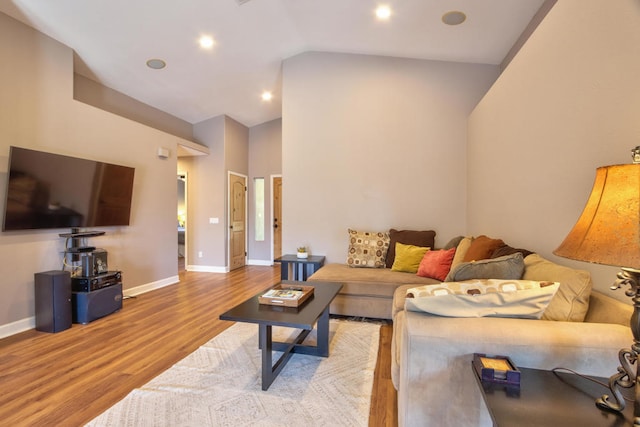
[608,231]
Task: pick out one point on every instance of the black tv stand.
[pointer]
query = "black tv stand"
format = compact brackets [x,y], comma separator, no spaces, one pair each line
[80,249]
[76,245]
[77,234]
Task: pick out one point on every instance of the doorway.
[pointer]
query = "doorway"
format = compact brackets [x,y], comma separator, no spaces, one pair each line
[276,203]
[237,220]
[182,221]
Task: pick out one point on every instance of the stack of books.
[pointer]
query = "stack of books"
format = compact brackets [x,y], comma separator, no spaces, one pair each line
[286,295]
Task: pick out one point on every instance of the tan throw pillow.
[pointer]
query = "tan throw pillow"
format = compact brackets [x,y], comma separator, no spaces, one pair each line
[571,302]
[481,248]
[461,251]
[367,249]
[483,298]
[408,258]
[510,267]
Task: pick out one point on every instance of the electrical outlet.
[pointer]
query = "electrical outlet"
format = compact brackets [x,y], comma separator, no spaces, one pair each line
[200,254]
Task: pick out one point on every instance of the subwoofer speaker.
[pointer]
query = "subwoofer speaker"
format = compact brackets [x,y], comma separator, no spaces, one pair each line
[89,306]
[53,300]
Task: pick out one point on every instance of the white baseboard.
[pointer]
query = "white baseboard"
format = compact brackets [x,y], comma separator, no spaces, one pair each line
[17,326]
[30,322]
[263,262]
[151,286]
[207,269]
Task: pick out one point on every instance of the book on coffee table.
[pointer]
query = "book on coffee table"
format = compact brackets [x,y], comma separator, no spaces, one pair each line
[286,295]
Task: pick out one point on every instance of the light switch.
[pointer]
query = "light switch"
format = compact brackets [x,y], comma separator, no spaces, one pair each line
[213,220]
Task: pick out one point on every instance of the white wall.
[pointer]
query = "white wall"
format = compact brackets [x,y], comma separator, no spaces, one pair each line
[568,103]
[373,143]
[37,111]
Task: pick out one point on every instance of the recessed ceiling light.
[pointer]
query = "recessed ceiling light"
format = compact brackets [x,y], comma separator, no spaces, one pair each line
[156,64]
[455,17]
[383,12]
[267,96]
[206,42]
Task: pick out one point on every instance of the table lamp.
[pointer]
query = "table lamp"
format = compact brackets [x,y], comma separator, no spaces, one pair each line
[608,232]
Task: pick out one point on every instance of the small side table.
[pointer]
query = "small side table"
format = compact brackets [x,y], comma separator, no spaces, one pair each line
[299,269]
[546,399]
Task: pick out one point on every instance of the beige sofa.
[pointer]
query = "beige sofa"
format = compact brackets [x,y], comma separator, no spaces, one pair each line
[431,360]
[366,292]
[431,355]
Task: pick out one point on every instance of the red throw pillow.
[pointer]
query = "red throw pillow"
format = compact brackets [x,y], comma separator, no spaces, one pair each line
[436,264]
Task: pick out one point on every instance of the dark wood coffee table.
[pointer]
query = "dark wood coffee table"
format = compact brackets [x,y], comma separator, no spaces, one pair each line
[314,310]
[548,399]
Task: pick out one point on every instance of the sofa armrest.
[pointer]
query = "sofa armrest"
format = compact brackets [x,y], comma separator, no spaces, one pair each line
[435,353]
[604,309]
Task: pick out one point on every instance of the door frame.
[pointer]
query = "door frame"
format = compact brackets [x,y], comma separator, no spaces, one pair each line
[186,216]
[272,177]
[230,215]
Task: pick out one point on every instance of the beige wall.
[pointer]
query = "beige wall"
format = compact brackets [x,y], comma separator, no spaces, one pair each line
[373,143]
[228,143]
[206,199]
[265,160]
[92,93]
[236,141]
[568,103]
[37,111]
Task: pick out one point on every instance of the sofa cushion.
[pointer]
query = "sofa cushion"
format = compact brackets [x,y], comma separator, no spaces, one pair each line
[424,239]
[571,302]
[481,248]
[436,264]
[483,298]
[510,267]
[461,251]
[408,257]
[378,282]
[367,249]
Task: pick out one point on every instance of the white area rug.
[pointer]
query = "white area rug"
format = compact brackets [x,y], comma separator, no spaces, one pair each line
[220,384]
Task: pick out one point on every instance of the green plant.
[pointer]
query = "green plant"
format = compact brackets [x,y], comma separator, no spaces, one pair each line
[302,249]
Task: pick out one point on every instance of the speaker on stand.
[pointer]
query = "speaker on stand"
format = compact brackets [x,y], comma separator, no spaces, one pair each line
[53,301]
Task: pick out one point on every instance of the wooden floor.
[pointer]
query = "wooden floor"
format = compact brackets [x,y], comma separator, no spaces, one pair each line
[68,378]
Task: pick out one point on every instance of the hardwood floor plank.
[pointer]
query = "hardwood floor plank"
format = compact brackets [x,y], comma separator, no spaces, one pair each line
[69,378]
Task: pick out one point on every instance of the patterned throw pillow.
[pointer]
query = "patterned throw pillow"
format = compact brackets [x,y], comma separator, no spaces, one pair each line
[483,298]
[367,249]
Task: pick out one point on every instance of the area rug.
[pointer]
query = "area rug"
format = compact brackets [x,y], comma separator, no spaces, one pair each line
[220,384]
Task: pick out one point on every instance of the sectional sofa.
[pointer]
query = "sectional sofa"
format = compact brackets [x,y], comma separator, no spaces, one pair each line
[578,329]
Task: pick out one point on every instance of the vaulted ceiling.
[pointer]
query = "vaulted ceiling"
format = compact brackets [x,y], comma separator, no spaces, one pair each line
[114,39]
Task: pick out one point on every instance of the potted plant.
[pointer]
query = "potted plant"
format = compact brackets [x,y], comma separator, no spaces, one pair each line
[302,252]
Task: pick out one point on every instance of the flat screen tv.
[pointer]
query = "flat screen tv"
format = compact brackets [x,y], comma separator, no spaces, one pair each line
[46,191]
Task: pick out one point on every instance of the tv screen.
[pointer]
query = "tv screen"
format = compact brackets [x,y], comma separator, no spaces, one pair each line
[46,190]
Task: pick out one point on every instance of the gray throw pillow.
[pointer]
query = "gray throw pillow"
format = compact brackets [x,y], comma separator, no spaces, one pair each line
[509,267]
